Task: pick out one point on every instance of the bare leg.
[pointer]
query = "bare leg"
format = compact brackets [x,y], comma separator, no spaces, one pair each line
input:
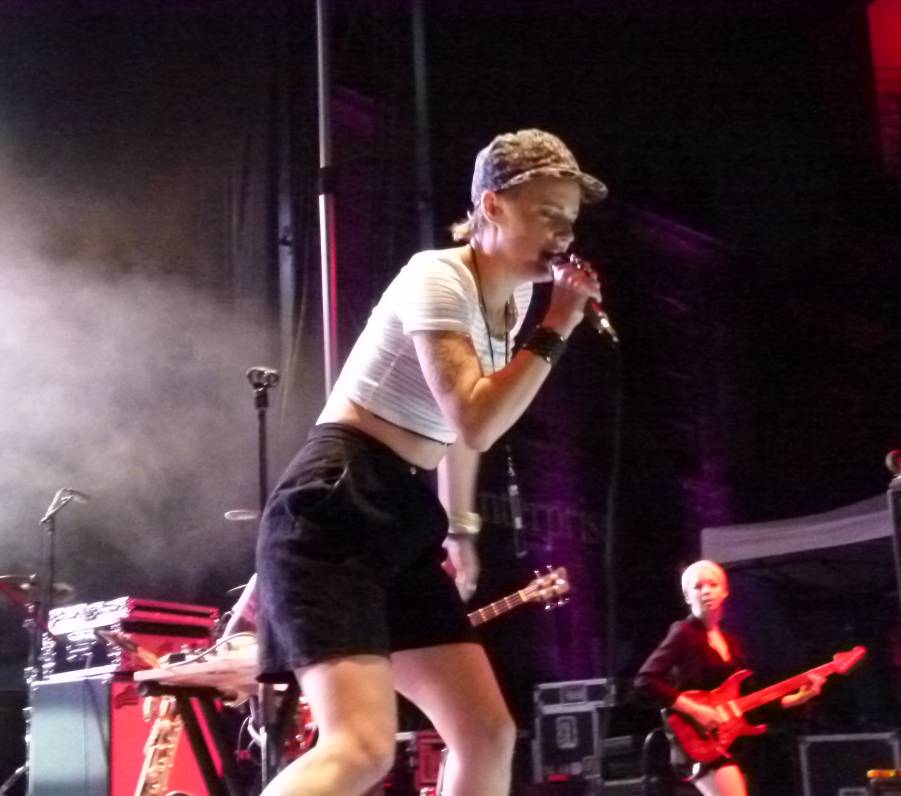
[454,686]
[352,700]
[725,781]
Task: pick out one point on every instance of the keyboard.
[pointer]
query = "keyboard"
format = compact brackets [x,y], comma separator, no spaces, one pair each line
[233,670]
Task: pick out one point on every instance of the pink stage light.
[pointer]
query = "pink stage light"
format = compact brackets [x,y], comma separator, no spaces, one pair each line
[885,42]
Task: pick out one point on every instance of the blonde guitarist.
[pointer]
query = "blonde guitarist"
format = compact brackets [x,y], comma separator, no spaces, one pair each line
[697,655]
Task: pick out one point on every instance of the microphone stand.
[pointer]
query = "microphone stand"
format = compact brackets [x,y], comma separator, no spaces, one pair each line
[262,379]
[37,616]
[40,608]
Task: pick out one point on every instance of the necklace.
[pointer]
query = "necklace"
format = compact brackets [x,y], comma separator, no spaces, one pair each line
[513,496]
[484,310]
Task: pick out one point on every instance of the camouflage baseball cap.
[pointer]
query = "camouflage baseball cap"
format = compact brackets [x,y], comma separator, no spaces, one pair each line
[514,158]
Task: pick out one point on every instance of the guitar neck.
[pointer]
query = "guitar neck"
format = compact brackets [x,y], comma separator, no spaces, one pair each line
[497,608]
[781,689]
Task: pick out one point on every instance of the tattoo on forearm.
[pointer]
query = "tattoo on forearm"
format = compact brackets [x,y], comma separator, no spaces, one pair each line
[447,360]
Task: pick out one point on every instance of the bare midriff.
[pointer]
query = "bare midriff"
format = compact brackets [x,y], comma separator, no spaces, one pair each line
[414,448]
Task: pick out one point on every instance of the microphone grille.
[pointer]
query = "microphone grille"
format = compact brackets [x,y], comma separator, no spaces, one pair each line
[893,461]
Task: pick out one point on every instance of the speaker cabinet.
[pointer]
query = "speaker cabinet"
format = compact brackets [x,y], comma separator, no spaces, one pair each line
[87,739]
[12,738]
[838,764]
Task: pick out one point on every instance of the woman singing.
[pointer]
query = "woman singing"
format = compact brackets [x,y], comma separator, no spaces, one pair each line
[353,599]
[698,655]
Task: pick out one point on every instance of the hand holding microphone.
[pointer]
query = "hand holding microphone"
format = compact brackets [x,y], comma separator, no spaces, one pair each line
[594,310]
[576,297]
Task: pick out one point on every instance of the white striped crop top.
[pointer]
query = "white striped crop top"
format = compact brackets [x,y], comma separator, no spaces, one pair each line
[434,291]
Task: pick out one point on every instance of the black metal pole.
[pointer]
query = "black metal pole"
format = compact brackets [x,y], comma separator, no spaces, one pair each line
[893,462]
[44,604]
[424,206]
[328,262]
[262,379]
[261,403]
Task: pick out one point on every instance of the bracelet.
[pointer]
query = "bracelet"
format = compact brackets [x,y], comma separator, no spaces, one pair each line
[547,344]
[464,523]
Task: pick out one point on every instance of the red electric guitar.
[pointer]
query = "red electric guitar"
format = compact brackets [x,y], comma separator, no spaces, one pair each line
[705,747]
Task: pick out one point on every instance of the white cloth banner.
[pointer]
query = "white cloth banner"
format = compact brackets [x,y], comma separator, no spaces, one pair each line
[859,522]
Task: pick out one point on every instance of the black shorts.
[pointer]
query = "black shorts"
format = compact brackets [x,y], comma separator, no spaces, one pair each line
[349,558]
[686,768]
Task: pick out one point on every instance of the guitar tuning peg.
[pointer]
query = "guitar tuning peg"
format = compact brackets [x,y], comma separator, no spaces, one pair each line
[537,573]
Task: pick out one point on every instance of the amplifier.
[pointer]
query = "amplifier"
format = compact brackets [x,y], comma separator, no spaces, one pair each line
[838,764]
[884,786]
[567,738]
[12,737]
[74,641]
[557,697]
[87,739]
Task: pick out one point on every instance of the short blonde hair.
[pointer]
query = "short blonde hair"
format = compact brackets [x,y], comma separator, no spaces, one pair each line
[692,569]
[468,228]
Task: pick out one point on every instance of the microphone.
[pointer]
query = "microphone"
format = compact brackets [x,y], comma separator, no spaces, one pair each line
[595,315]
[599,320]
[62,498]
[260,377]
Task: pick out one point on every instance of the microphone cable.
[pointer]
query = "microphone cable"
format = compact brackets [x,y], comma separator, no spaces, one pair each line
[610,552]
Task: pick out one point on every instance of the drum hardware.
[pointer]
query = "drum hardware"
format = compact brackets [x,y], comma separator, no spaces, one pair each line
[242,515]
[19,588]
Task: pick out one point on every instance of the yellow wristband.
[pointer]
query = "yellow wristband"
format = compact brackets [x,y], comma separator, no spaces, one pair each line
[464,523]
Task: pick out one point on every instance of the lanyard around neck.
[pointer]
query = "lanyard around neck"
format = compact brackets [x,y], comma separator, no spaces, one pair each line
[516,517]
[484,311]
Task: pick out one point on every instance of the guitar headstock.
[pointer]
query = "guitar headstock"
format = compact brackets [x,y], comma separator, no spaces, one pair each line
[125,641]
[550,588]
[122,640]
[843,662]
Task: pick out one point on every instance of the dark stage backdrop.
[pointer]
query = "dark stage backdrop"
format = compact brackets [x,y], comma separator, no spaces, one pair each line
[158,237]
